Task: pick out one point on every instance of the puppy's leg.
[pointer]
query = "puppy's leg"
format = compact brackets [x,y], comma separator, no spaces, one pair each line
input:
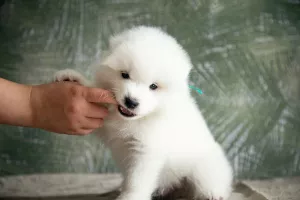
[141,178]
[212,177]
[70,75]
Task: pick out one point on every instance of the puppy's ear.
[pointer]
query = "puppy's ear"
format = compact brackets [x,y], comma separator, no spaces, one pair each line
[109,61]
[116,40]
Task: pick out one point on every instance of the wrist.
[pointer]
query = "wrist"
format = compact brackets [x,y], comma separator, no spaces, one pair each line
[27,116]
[34,106]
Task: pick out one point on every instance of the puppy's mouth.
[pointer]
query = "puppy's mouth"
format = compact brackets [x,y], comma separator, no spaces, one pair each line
[125,112]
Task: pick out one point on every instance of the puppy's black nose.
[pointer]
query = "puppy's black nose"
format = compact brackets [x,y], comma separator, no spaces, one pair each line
[130,103]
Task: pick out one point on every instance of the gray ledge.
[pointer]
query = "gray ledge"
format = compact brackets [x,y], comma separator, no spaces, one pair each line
[105,187]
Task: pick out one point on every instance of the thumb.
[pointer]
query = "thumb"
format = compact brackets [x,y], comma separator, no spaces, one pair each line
[97,95]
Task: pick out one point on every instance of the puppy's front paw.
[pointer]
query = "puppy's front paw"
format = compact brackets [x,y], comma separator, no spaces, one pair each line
[69,75]
[213,188]
[217,193]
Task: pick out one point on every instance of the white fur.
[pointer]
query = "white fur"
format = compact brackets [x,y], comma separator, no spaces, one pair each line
[168,138]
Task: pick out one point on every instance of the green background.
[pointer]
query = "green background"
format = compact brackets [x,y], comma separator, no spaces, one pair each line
[246,57]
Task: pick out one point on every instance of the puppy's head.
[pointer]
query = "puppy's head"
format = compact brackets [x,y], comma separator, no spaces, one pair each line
[145,69]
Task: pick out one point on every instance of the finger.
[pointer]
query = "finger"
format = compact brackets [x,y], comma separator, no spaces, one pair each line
[96,111]
[86,131]
[97,95]
[92,123]
[79,132]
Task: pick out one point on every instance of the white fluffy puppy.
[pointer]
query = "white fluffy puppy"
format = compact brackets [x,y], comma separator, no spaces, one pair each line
[157,135]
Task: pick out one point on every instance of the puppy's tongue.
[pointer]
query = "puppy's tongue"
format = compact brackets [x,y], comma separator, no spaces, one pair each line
[126,111]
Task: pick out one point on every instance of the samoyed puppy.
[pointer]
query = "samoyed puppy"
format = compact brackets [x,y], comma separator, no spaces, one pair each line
[156,134]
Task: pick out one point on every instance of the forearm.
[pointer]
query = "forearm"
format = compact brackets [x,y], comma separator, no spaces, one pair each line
[15,104]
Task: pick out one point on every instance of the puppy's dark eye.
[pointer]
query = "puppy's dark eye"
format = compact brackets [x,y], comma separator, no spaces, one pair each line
[125,75]
[153,86]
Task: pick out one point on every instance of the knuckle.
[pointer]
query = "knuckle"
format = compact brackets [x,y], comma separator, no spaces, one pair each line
[75,90]
[74,108]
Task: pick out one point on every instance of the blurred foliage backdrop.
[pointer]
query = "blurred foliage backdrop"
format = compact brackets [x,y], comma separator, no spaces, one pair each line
[246,57]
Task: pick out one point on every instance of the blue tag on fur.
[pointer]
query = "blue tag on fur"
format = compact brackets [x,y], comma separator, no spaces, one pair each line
[196,89]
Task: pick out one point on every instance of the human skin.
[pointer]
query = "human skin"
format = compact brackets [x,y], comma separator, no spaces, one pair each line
[61,107]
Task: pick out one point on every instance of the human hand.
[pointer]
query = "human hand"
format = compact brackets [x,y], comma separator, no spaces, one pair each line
[66,107]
